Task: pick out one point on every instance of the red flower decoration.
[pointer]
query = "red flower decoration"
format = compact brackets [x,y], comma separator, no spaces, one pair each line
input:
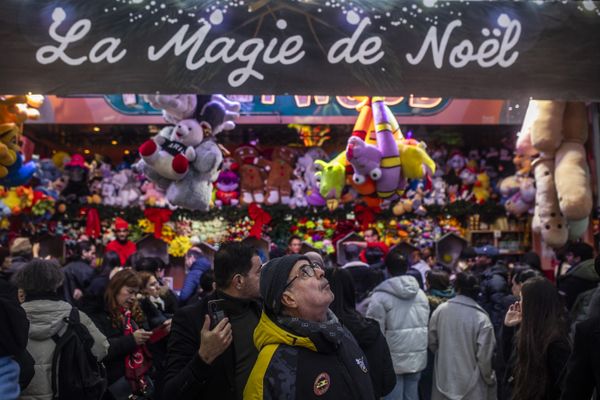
[260,218]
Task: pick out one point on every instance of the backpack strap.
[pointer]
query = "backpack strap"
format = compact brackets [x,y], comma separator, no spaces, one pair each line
[60,343]
[73,316]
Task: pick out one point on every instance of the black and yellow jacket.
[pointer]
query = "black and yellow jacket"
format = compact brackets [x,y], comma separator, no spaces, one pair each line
[313,366]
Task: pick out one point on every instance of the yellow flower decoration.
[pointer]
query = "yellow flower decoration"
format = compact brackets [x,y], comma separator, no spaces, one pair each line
[146,226]
[5,223]
[179,246]
[168,233]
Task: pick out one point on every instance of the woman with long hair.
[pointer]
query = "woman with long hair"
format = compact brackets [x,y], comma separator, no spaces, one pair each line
[366,331]
[159,322]
[128,361]
[542,343]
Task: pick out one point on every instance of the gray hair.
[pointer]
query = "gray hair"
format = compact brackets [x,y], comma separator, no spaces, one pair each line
[39,277]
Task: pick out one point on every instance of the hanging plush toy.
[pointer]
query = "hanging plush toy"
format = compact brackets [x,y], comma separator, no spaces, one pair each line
[194,192]
[170,152]
[306,169]
[558,131]
[192,156]
[382,162]
[416,163]
[9,146]
[18,109]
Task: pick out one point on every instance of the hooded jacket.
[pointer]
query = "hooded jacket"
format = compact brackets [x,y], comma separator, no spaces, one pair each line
[577,280]
[290,366]
[402,311]
[496,296]
[46,319]
[192,279]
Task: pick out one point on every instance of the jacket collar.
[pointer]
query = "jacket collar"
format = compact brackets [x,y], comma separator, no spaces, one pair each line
[267,332]
[234,306]
[466,301]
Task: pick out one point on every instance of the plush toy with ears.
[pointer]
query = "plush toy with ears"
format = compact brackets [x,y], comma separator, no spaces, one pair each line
[198,120]
[194,192]
[558,131]
[18,109]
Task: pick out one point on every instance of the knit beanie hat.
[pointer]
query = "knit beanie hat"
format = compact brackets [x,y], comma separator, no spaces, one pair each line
[120,223]
[274,277]
[20,245]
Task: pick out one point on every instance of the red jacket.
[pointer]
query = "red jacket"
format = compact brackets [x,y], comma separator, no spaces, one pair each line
[382,246]
[123,250]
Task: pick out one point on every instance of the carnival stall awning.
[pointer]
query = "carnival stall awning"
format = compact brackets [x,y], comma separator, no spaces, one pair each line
[461,49]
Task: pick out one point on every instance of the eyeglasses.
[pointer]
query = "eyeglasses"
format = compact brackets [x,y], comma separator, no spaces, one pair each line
[306,271]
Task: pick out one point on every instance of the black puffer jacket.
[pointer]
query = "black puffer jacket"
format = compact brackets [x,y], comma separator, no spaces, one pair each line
[496,296]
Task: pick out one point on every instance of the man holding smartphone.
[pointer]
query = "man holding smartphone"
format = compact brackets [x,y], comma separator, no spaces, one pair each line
[215,362]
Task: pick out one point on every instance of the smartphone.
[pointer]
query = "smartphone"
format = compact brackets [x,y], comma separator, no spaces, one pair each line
[216,312]
[158,333]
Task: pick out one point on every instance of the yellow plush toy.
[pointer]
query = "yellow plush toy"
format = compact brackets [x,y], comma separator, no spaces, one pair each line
[413,158]
[18,109]
[9,138]
[481,190]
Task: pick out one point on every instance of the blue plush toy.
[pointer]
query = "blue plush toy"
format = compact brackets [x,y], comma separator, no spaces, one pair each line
[19,173]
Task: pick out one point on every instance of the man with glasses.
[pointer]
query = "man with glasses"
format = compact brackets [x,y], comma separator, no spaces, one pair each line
[214,362]
[305,353]
[121,245]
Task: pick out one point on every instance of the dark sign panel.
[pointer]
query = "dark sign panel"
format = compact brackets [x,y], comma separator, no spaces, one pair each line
[475,49]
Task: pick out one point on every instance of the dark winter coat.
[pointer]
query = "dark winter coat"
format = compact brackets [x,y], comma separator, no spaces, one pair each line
[496,296]
[577,280]
[14,331]
[187,376]
[120,346]
[292,366]
[583,368]
[78,275]
[368,335]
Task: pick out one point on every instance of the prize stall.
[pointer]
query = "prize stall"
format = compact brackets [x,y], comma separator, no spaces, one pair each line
[192,169]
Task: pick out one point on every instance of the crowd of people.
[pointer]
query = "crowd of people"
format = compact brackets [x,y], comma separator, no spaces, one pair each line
[384,324]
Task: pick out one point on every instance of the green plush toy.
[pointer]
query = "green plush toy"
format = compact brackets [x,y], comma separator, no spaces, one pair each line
[332,177]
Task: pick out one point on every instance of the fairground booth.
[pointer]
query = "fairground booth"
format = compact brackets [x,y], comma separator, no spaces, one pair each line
[202,121]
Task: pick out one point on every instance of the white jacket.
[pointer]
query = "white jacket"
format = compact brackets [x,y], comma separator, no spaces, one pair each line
[402,310]
[46,319]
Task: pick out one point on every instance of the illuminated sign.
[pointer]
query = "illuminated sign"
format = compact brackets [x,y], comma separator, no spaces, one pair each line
[295,105]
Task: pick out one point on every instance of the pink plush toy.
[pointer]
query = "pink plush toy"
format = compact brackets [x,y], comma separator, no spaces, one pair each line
[227,185]
[151,196]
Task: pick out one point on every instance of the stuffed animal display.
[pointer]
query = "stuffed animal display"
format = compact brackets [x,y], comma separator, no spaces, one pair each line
[13,170]
[253,170]
[183,160]
[281,169]
[558,131]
